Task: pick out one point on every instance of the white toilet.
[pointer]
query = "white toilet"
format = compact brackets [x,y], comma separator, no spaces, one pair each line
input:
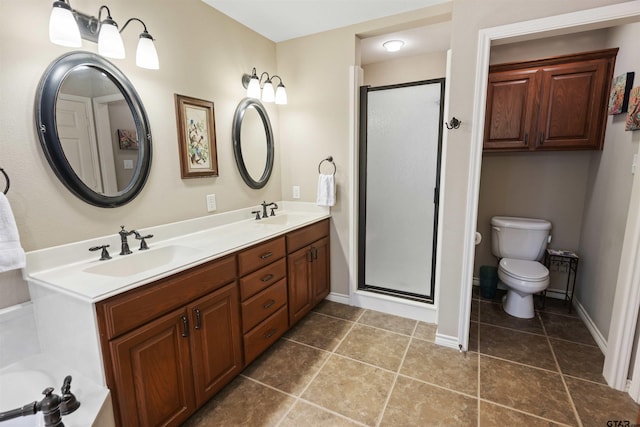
[520,243]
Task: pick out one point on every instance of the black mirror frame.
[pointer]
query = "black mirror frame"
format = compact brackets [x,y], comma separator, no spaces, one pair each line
[237,146]
[45,117]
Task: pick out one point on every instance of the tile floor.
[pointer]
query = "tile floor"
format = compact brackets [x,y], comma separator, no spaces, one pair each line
[345,366]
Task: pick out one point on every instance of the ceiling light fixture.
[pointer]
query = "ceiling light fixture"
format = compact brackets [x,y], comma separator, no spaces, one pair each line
[67,27]
[393,45]
[265,92]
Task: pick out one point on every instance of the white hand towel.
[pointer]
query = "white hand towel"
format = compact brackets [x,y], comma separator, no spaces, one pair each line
[326,190]
[11,252]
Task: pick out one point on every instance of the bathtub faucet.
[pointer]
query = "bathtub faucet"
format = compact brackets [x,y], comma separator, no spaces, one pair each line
[52,406]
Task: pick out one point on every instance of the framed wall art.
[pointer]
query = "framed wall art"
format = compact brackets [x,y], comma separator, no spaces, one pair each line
[196,137]
[633,115]
[128,139]
[620,88]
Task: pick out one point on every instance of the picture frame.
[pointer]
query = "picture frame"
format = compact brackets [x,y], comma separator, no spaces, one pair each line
[633,115]
[128,139]
[620,89]
[196,137]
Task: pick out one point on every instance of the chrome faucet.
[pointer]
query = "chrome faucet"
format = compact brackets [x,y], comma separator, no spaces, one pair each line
[265,205]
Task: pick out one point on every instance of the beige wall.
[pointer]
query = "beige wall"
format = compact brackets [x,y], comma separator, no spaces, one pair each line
[202,53]
[406,69]
[607,202]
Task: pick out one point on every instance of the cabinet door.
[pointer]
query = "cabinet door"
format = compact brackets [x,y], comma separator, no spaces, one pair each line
[512,98]
[299,281]
[321,282]
[573,107]
[215,341]
[152,373]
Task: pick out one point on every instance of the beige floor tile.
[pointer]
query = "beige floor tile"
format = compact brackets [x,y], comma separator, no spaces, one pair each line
[287,366]
[598,404]
[304,414]
[475,310]
[442,366]
[557,306]
[335,309]
[527,389]
[497,416]
[375,346]
[516,346]
[350,388]
[426,331]
[230,407]
[567,328]
[389,322]
[414,403]
[494,314]
[320,331]
[579,360]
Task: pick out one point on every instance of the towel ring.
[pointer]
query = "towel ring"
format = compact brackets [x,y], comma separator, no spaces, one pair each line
[330,160]
[6,177]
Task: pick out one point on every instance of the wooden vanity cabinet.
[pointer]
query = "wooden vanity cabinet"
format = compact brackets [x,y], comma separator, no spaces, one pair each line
[308,269]
[171,345]
[558,103]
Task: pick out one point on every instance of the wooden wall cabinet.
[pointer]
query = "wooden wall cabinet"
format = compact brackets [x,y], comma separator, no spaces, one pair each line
[308,269]
[558,103]
[171,345]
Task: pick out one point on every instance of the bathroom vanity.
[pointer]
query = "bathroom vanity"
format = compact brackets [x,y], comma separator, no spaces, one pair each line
[165,329]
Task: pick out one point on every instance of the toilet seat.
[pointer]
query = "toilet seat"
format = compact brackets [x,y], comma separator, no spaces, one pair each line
[523,270]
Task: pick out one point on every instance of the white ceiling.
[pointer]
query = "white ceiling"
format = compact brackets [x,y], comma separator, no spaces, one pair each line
[280,20]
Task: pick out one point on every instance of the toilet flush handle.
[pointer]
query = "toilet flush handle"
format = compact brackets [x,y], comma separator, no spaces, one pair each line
[549,239]
[496,228]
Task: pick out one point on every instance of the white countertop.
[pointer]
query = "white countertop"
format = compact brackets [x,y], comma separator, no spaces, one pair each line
[174,247]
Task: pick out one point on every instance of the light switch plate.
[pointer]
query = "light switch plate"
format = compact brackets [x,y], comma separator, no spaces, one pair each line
[128,164]
[211,202]
[296,191]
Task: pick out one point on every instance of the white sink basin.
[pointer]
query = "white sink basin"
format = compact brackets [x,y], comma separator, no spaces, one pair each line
[138,262]
[285,219]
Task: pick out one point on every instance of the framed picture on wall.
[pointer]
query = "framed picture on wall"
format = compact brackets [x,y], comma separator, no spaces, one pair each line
[620,88]
[128,139]
[196,137]
[633,116]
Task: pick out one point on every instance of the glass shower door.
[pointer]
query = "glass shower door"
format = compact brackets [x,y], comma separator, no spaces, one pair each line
[400,144]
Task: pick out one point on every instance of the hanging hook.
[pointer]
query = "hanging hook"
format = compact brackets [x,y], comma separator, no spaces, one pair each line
[6,177]
[453,123]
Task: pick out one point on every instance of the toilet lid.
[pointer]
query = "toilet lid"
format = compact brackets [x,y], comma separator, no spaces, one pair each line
[525,270]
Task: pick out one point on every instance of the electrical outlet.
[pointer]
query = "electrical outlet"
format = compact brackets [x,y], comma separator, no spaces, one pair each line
[211,202]
[296,191]
[128,164]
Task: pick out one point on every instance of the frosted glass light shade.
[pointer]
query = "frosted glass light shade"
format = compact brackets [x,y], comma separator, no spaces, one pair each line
[253,89]
[393,45]
[267,92]
[63,28]
[146,55]
[281,95]
[109,40]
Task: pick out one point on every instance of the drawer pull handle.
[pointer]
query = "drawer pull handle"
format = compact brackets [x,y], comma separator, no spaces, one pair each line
[266,255]
[185,326]
[269,304]
[198,320]
[267,277]
[271,333]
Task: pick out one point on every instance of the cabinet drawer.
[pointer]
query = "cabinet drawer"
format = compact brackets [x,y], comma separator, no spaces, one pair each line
[124,312]
[265,334]
[263,305]
[300,238]
[259,280]
[260,255]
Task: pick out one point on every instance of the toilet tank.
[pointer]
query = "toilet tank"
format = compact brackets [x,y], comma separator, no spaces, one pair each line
[519,238]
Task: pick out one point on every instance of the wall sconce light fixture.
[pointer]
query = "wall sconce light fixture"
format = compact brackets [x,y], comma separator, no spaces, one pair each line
[264,92]
[67,27]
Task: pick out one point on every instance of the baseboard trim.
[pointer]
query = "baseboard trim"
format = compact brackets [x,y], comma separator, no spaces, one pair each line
[591,326]
[341,298]
[447,341]
[396,306]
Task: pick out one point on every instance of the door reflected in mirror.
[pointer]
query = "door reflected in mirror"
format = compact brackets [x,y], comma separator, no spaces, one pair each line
[254,143]
[91,115]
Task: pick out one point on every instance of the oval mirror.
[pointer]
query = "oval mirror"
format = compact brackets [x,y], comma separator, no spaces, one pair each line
[253,142]
[93,129]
